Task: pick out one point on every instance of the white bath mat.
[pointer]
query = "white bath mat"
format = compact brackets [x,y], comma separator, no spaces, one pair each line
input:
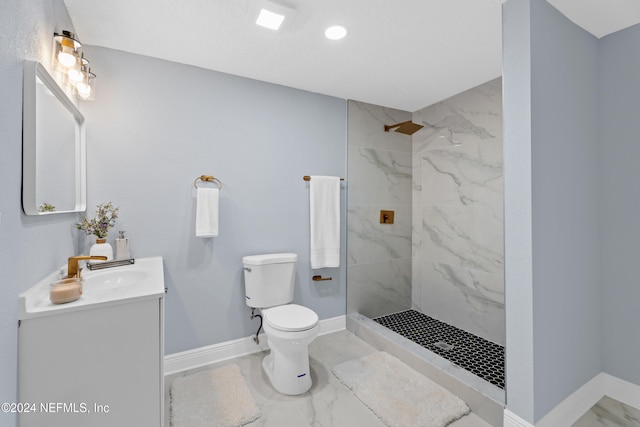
[398,395]
[212,398]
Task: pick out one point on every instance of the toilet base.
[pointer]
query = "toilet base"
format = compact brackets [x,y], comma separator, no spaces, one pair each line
[287,376]
[287,366]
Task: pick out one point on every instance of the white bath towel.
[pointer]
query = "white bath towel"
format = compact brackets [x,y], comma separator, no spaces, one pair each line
[324,197]
[207,212]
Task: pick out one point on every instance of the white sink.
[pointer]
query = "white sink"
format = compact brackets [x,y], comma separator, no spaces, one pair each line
[115,277]
[114,285]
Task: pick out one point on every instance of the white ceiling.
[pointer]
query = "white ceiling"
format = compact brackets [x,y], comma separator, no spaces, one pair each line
[600,17]
[402,54]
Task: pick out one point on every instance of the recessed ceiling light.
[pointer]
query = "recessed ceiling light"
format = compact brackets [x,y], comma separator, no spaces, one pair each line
[335,32]
[270,14]
[269,19]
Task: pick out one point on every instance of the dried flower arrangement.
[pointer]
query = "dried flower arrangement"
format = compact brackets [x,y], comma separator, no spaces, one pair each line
[99,226]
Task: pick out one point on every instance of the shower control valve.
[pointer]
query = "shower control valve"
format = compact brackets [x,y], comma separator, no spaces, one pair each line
[386,217]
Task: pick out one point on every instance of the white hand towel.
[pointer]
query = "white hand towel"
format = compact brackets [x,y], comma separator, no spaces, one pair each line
[324,197]
[207,212]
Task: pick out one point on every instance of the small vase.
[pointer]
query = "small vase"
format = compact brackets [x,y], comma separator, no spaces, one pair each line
[101,248]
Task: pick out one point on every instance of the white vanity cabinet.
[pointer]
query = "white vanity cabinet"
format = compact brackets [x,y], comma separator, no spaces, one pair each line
[97,362]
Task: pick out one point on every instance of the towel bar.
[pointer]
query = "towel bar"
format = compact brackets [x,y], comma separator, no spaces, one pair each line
[208,178]
[308,178]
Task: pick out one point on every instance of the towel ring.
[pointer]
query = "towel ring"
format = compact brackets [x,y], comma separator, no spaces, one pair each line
[208,178]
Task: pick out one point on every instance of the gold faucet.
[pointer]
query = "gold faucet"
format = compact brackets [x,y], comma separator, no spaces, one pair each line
[72,264]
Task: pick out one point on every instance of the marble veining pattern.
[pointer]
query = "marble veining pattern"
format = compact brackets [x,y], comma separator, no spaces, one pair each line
[474,115]
[417,301]
[448,185]
[463,175]
[327,404]
[371,241]
[480,292]
[380,288]
[610,413]
[379,176]
[366,127]
[469,237]
[457,232]
[475,299]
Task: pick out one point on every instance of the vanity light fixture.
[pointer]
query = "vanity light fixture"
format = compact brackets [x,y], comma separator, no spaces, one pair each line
[66,50]
[335,32]
[271,15]
[70,62]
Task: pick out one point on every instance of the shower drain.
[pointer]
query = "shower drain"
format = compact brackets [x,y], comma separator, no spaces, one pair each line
[443,346]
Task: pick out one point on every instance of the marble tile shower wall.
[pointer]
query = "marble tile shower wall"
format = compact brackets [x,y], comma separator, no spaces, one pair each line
[458,254]
[378,255]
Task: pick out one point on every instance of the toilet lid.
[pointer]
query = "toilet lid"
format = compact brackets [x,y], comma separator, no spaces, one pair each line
[290,317]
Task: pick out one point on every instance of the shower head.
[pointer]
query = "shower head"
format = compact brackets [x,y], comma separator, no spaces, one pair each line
[408,128]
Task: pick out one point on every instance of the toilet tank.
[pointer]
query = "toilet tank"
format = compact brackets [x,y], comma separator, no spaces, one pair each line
[269,279]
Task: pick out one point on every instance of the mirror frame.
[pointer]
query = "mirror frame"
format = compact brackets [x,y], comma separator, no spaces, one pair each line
[33,70]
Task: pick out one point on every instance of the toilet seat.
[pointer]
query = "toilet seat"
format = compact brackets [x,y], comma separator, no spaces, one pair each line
[290,318]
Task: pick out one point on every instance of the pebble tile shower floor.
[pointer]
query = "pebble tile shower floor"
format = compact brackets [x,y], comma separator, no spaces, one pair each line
[477,355]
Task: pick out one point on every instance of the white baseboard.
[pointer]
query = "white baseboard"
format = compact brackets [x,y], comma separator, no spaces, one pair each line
[574,406]
[622,391]
[202,356]
[512,420]
[334,324]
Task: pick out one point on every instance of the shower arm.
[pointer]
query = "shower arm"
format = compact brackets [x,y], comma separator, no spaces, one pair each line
[407,128]
[387,128]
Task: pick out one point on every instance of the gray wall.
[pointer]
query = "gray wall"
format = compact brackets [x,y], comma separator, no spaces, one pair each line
[518,235]
[554,316]
[458,256]
[155,126]
[566,252]
[30,247]
[379,255]
[619,87]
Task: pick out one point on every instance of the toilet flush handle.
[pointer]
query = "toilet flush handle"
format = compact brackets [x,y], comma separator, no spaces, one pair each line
[247,269]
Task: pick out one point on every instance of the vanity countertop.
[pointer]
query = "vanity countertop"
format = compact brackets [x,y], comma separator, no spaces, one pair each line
[116,285]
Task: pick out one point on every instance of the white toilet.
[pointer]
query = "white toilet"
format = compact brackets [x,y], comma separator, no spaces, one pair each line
[290,328]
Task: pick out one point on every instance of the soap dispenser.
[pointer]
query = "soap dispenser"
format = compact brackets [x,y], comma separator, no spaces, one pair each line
[122,246]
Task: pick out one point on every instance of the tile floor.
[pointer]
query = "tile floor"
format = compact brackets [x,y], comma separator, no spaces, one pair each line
[327,404]
[610,413]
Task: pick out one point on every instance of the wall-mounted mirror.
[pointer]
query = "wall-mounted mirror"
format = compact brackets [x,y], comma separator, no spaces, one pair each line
[53,146]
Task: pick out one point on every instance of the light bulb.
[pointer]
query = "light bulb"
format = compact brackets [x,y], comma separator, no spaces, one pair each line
[67,57]
[65,51]
[75,75]
[84,90]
